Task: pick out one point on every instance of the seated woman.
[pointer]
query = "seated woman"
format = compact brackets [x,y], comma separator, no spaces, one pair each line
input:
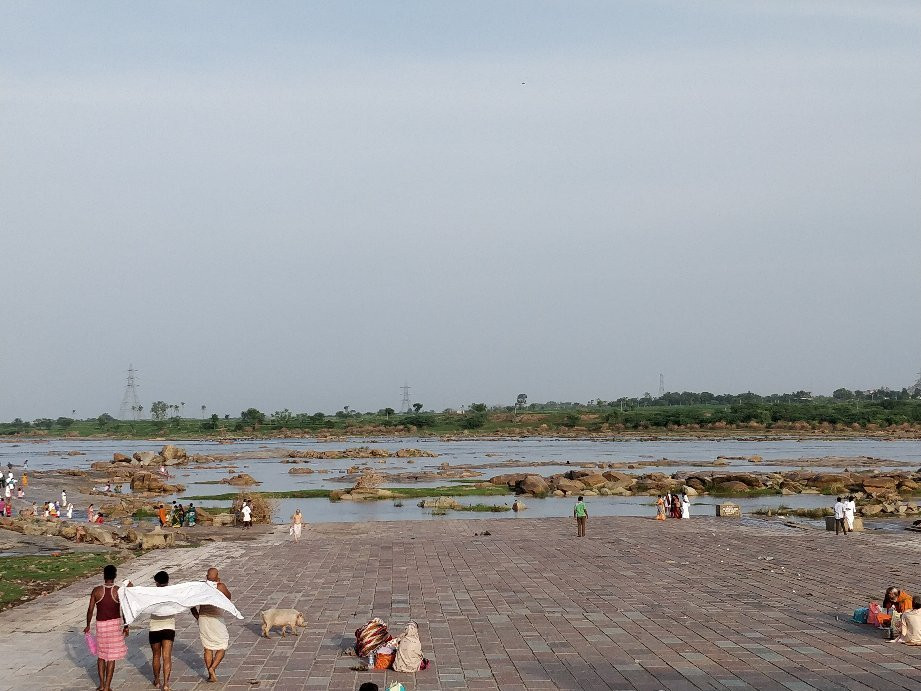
[895,600]
[911,624]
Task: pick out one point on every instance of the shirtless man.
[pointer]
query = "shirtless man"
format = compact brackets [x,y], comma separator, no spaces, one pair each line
[211,628]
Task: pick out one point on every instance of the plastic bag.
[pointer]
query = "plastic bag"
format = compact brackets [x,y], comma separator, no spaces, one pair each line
[396,686]
[861,614]
[91,643]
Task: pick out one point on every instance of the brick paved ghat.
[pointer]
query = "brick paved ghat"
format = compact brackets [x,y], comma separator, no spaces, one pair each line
[635,605]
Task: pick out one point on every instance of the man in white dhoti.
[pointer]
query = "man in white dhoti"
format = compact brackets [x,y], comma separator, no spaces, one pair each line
[211,628]
[850,509]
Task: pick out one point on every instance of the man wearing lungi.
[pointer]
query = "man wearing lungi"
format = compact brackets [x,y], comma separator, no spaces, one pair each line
[211,628]
[110,632]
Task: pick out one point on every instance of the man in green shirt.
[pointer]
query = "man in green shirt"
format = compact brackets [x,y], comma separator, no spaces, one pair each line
[580,513]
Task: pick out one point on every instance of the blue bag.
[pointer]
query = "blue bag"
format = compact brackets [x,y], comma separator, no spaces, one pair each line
[861,614]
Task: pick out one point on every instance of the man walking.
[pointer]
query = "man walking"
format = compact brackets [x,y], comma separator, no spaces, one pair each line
[161,636]
[110,633]
[247,515]
[839,517]
[580,513]
[211,628]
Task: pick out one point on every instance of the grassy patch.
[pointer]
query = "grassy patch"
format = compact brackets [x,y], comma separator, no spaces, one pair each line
[24,578]
[491,508]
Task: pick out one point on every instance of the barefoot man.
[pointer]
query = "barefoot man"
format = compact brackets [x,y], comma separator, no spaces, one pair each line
[161,637]
[214,637]
[110,633]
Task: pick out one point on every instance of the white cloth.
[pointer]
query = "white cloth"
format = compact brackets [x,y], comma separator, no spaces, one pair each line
[850,510]
[839,510]
[409,650]
[686,508]
[247,513]
[171,599]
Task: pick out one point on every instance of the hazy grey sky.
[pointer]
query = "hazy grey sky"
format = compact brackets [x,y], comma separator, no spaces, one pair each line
[303,204]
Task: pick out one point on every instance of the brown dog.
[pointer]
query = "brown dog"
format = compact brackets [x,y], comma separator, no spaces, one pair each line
[281,617]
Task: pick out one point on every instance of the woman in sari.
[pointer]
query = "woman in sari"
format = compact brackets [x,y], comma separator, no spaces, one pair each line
[660,509]
[676,506]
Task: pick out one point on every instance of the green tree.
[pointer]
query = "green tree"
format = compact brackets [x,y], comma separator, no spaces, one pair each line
[521,401]
[105,420]
[64,422]
[417,407]
[478,407]
[389,411]
[282,417]
[252,416]
[842,394]
[158,410]
[474,419]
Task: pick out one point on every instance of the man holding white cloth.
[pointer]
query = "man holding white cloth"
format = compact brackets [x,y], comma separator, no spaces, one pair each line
[207,601]
[211,628]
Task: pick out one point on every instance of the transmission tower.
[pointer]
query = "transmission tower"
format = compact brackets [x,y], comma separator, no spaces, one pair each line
[661,385]
[130,402]
[405,405]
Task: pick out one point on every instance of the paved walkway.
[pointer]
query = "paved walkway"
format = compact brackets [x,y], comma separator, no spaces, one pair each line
[700,604]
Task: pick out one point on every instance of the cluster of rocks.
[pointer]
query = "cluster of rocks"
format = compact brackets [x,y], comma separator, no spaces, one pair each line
[106,535]
[366,487]
[882,491]
[169,455]
[146,483]
[357,452]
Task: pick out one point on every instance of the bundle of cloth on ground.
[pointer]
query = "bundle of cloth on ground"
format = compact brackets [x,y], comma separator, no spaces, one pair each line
[405,650]
[172,599]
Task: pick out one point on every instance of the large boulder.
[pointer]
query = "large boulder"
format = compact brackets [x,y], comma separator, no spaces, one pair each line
[223,519]
[96,533]
[173,453]
[120,458]
[880,485]
[241,480]
[735,486]
[157,539]
[565,484]
[533,484]
[152,483]
[148,458]
[510,479]
[746,479]
[621,479]
[593,480]
[871,509]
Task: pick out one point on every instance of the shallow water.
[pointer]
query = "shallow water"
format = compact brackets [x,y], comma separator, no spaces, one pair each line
[274,476]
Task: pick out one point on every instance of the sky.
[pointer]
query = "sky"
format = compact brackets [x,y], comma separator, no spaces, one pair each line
[304,205]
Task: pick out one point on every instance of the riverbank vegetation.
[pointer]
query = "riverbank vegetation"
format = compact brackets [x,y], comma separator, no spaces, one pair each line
[844,412]
[27,577]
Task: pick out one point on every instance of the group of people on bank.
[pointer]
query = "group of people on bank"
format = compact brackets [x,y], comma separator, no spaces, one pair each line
[674,505]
